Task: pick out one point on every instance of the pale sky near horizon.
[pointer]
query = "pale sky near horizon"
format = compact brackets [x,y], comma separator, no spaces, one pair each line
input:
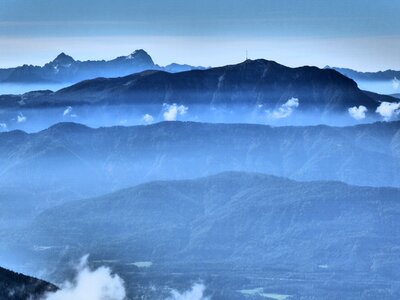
[360,34]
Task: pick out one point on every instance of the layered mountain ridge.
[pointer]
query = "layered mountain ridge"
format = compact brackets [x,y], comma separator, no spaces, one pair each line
[65,69]
[72,161]
[252,225]
[258,83]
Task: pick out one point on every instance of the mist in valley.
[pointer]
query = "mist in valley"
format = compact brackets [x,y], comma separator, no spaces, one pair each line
[99,190]
[230,165]
[289,113]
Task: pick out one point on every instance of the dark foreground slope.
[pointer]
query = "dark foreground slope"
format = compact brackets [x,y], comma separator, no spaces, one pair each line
[14,286]
[259,225]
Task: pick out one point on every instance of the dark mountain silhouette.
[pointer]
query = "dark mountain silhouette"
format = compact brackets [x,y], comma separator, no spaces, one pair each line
[251,83]
[15,286]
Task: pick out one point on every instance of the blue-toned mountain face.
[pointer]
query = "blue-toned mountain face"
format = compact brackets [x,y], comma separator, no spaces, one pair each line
[71,189]
[250,226]
[383,82]
[176,150]
[71,161]
[65,69]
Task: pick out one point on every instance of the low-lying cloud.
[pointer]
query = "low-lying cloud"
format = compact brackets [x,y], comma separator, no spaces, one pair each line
[21,118]
[172,111]
[388,110]
[102,284]
[195,293]
[3,126]
[148,118]
[358,113]
[285,110]
[67,111]
[97,284]
[395,83]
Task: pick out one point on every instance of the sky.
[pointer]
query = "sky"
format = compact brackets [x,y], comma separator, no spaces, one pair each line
[359,34]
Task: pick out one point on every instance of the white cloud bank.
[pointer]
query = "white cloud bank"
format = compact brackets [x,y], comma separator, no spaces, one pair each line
[358,113]
[67,111]
[148,118]
[395,83]
[3,126]
[98,284]
[21,118]
[195,293]
[285,110]
[388,110]
[172,111]
[102,284]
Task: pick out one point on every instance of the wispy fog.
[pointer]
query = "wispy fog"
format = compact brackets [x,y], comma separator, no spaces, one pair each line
[395,84]
[195,293]
[67,111]
[285,110]
[387,87]
[102,284]
[289,113]
[21,118]
[21,88]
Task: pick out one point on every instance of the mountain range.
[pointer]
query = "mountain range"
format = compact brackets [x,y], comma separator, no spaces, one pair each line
[297,231]
[382,82]
[65,69]
[246,223]
[254,211]
[387,75]
[72,161]
[254,84]
[15,286]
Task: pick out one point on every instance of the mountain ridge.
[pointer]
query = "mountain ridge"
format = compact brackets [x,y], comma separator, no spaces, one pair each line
[369,75]
[250,83]
[65,69]
[199,208]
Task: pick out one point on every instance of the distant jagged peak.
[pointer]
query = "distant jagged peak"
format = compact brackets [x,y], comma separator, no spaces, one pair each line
[63,59]
[141,56]
[138,53]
